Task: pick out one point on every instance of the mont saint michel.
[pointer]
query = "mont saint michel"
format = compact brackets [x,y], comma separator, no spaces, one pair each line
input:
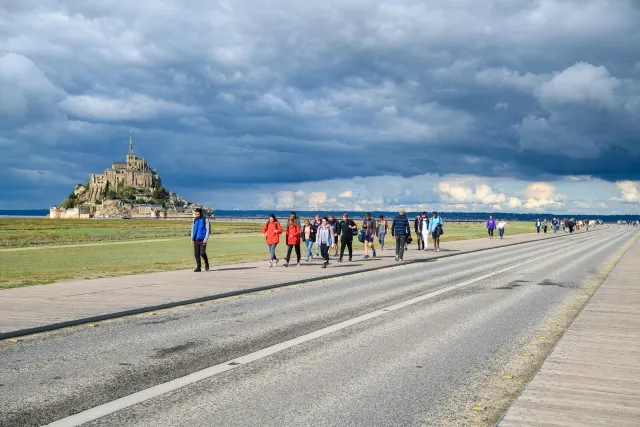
[129,189]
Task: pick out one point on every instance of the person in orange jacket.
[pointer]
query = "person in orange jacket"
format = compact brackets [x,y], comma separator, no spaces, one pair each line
[293,240]
[272,231]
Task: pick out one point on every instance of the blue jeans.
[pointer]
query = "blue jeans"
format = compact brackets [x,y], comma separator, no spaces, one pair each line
[272,251]
[309,244]
[501,230]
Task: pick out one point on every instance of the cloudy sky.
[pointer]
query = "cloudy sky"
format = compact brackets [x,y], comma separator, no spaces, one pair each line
[512,105]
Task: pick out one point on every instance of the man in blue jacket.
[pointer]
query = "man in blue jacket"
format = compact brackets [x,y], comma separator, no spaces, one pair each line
[199,237]
[400,230]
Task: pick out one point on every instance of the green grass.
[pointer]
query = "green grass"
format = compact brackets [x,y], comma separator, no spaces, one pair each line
[34,267]
[30,232]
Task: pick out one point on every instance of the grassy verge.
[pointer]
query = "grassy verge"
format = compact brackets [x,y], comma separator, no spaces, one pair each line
[25,268]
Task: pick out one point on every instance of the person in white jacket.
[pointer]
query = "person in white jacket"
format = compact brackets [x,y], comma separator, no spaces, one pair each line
[424,227]
[501,226]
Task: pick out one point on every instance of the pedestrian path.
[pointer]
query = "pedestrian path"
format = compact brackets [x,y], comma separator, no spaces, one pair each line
[36,308]
[592,378]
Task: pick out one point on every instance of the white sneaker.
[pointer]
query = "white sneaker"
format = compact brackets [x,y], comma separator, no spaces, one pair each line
[400,260]
[270,264]
[298,264]
[397,258]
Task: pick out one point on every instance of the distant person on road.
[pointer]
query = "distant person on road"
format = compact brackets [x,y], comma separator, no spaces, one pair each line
[324,240]
[400,229]
[334,226]
[424,229]
[538,225]
[200,232]
[491,226]
[417,227]
[272,231]
[293,241]
[572,224]
[545,225]
[501,226]
[309,238]
[347,229]
[382,228]
[369,227]
[435,228]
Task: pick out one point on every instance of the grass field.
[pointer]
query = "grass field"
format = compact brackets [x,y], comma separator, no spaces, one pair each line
[233,243]
[27,232]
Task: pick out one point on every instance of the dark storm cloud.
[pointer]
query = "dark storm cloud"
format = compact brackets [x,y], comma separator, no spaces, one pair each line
[248,92]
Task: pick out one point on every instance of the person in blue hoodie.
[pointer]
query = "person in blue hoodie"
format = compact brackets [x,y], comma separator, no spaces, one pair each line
[200,232]
[435,228]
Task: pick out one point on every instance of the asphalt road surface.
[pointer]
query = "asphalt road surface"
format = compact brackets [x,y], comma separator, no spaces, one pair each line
[413,345]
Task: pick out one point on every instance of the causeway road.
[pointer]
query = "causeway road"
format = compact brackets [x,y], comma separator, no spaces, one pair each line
[448,342]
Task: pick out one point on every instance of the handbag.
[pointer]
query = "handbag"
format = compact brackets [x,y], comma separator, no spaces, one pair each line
[409,240]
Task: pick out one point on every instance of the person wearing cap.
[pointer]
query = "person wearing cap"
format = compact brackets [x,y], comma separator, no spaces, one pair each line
[400,230]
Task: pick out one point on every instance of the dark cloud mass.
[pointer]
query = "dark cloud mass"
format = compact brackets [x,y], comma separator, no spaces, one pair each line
[246,93]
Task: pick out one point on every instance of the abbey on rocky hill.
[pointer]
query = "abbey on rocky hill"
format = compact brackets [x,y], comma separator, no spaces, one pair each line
[134,173]
[129,189]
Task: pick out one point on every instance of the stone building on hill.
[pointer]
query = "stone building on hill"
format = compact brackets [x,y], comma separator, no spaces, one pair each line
[135,173]
[127,190]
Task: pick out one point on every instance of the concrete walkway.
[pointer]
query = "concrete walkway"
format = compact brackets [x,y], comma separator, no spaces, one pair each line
[592,378]
[45,307]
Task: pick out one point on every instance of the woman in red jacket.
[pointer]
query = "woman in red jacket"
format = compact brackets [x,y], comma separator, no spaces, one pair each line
[293,240]
[272,231]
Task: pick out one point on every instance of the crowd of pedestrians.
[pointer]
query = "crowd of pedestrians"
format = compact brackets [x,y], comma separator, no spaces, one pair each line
[328,237]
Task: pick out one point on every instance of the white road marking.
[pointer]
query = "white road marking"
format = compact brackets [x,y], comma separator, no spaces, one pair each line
[160,389]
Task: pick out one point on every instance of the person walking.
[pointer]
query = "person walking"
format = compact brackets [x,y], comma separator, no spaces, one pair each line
[435,228]
[501,226]
[538,225]
[293,241]
[334,226]
[347,230]
[491,226]
[200,232]
[272,231]
[324,240]
[424,229]
[316,225]
[417,223]
[545,225]
[309,238]
[400,230]
[382,229]
[369,227]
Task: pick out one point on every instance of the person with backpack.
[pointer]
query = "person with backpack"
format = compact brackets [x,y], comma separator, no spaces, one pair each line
[382,228]
[369,228]
[435,228]
[400,230]
[272,231]
[347,229]
[491,226]
[324,240]
[200,232]
[293,240]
